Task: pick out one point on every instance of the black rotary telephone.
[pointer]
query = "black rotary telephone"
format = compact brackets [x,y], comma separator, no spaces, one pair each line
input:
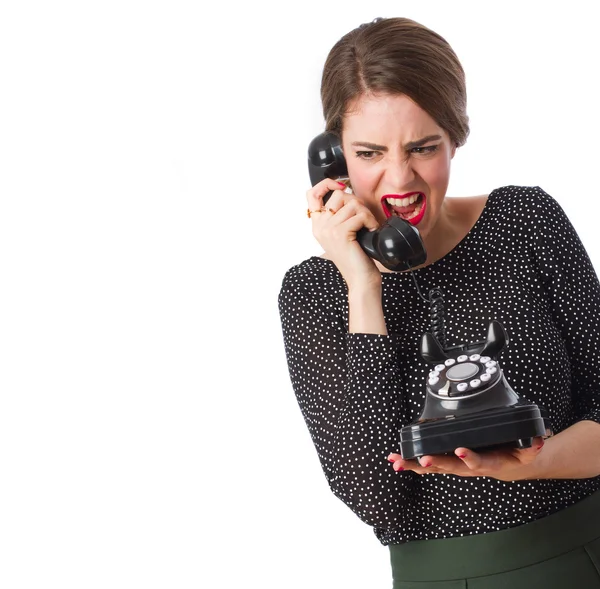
[468,402]
[397,244]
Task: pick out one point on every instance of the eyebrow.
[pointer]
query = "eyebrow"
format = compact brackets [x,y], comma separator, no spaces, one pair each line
[410,145]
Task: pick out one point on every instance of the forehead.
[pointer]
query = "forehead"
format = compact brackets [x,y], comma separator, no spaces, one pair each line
[387,115]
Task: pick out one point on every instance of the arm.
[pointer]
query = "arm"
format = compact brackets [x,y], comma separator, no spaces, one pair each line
[365,314]
[571,454]
[572,293]
[349,391]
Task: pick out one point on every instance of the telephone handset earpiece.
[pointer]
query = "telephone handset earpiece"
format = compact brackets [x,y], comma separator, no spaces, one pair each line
[397,244]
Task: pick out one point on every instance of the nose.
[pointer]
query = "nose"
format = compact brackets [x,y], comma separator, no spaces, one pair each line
[399,174]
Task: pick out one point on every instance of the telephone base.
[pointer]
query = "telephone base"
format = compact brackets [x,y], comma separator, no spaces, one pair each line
[514,426]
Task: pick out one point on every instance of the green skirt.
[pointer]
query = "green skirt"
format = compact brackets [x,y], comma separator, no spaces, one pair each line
[557,551]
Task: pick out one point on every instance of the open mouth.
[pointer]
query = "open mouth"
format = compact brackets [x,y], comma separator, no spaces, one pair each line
[410,207]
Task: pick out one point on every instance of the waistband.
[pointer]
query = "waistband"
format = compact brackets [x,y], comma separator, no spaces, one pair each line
[497,552]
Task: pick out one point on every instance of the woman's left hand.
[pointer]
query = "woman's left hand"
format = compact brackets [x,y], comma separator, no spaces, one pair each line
[505,464]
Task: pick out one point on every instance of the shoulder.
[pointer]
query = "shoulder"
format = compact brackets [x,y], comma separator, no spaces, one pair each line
[507,204]
[315,275]
[524,198]
[522,210]
[314,286]
[314,268]
[530,214]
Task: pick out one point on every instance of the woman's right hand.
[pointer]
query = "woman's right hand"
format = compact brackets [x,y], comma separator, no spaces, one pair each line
[336,231]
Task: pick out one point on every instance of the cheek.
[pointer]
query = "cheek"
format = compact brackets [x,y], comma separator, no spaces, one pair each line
[364,184]
[438,176]
[363,180]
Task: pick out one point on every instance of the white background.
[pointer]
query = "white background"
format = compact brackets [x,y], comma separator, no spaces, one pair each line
[153,171]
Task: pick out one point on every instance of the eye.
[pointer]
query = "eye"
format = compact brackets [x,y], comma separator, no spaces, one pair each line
[429,149]
[366,155]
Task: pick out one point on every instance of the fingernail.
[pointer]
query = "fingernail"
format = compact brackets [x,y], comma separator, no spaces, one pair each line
[391,459]
[399,469]
[462,455]
[427,465]
[342,184]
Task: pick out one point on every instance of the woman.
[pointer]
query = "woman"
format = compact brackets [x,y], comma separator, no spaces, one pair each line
[394,91]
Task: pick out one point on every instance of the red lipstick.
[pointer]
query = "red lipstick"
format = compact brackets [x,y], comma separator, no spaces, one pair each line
[401,211]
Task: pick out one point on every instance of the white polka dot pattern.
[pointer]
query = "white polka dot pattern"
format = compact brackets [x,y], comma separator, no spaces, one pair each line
[522,264]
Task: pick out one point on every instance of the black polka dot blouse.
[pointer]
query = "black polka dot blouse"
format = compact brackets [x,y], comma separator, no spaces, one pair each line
[521,264]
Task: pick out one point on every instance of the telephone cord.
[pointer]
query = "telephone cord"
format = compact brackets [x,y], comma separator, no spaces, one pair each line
[436,311]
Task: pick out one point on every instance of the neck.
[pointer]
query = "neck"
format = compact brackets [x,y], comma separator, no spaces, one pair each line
[445,235]
[456,219]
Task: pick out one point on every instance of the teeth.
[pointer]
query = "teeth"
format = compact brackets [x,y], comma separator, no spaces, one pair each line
[417,211]
[414,213]
[402,202]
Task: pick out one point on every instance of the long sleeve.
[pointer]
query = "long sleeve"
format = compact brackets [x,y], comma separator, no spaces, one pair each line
[522,264]
[349,389]
[573,293]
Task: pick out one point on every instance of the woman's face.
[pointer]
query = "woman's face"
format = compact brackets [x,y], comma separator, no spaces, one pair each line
[398,159]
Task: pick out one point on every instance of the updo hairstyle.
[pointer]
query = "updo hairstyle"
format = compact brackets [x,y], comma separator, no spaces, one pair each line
[396,56]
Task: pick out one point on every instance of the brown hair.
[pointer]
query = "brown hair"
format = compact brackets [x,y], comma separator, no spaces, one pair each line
[396,56]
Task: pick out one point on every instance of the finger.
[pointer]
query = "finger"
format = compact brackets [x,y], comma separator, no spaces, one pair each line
[436,464]
[399,464]
[320,210]
[425,461]
[314,196]
[418,467]
[471,459]
[350,219]
[528,455]
[338,200]
[444,463]
[354,208]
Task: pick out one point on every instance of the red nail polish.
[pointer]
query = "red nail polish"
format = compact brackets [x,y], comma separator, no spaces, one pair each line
[391,460]
[342,184]
[399,469]
[427,465]
[462,455]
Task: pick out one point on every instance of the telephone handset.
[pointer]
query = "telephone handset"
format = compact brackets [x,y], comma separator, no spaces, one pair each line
[397,244]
